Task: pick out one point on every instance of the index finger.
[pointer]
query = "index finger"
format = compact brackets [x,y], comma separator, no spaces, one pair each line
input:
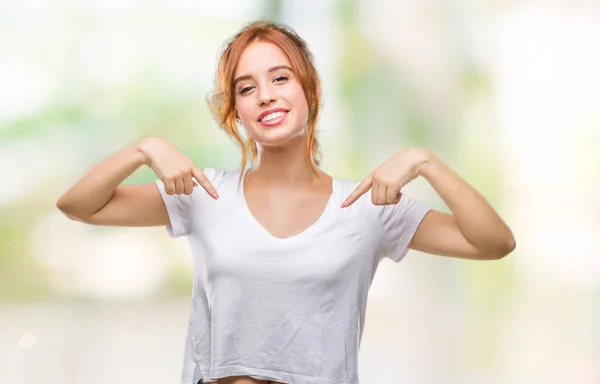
[360,190]
[203,181]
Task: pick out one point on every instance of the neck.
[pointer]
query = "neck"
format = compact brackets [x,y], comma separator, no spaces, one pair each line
[285,166]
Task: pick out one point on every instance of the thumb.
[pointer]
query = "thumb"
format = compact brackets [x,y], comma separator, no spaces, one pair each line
[204,182]
[360,190]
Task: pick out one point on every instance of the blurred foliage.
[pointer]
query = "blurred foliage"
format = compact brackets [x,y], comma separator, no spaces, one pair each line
[96,120]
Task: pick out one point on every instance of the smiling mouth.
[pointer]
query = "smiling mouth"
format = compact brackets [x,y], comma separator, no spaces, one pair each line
[273,118]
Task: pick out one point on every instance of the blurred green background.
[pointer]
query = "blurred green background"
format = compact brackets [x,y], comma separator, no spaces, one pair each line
[507,93]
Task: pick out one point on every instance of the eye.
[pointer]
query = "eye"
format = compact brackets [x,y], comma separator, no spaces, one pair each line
[280,79]
[245,90]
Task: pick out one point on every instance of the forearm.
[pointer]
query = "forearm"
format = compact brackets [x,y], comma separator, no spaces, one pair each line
[477,220]
[96,186]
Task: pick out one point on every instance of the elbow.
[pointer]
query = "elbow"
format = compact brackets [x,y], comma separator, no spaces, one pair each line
[505,249]
[512,244]
[67,209]
[509,245]
[63,205]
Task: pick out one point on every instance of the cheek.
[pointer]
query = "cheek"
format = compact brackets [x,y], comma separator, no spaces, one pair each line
[299,100]
[244,111]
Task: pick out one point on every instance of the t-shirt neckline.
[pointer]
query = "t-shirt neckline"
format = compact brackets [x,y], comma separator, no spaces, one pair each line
[256,227]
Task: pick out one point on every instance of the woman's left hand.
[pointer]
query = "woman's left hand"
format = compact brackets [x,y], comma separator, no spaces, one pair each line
[387,180]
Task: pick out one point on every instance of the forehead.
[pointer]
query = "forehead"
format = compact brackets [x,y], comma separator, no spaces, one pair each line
[259,57]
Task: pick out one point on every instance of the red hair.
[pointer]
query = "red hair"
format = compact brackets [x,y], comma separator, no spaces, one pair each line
[222,100]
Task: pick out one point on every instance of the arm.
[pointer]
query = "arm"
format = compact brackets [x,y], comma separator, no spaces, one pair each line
[473,231]
[98,197]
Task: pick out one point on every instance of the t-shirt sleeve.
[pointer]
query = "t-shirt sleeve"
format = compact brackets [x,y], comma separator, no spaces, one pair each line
[181,208]
[399,223]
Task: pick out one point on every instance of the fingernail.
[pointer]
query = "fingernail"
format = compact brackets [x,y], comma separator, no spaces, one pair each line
[215,195]
[344,204]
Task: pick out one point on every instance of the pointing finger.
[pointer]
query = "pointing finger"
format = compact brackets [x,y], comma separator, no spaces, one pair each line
[204,182]
[360,190]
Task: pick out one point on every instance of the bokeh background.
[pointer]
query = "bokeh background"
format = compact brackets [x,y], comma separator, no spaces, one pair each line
[506,92]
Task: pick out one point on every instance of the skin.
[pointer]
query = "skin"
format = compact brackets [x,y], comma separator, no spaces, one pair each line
[472,231]
[281,185]
[282,191]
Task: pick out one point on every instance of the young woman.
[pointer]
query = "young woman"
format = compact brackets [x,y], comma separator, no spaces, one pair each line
[284,253]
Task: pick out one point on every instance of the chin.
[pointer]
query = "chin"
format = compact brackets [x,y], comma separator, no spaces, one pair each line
[277,136]
[280,141]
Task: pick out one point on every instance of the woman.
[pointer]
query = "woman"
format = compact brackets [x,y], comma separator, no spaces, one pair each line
[284,254]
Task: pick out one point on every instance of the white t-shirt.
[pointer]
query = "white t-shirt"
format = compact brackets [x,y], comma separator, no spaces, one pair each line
[289,310]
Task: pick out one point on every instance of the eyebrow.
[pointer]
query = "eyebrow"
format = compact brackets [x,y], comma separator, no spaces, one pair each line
[273,69]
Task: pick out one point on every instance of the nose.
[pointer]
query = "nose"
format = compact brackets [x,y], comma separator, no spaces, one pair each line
[266,95]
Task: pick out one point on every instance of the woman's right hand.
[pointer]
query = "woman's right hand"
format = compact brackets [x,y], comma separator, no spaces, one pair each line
[174,168]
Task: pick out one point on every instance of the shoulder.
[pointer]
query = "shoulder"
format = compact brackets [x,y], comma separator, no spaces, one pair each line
[343,188]
[345,185]
[220,177]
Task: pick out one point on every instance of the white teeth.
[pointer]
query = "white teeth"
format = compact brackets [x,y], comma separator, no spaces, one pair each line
[272,116]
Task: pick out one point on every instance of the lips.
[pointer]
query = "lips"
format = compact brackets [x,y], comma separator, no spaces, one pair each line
[270,112]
